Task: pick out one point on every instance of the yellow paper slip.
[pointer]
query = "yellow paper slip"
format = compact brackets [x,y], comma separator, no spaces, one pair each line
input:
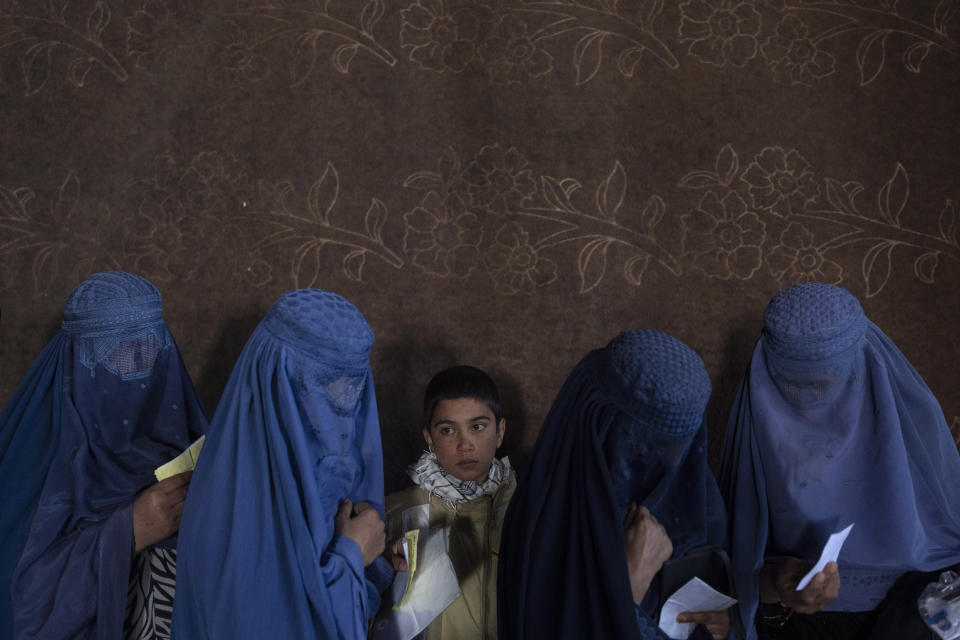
[186,461]
[410,546]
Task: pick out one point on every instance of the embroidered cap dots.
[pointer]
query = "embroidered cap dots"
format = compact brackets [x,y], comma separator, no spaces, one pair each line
[322,324]
[111,299]
[813,321]
[658,380]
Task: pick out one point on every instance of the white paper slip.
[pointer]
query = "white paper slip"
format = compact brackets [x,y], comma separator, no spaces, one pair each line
[830,553]
[694,596]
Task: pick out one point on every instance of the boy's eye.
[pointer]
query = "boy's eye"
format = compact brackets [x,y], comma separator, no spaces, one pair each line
[479,426]
[446,431]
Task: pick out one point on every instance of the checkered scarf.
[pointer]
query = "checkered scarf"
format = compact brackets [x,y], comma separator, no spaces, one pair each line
[427,474]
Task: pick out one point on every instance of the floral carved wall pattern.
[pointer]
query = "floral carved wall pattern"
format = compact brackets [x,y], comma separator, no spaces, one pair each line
[792,38]
[496,213]
[55,32]
[302,28]
[307,229]
[490,215]
[55,235]
[794,225]
[514,42]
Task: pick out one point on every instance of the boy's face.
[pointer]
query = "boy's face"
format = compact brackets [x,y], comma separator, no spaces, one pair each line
[465,435]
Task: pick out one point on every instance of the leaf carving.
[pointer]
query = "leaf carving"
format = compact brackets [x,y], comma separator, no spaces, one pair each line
[650,9]
[304,57]
[97,21]
[78,70]
[343,55]
[588,56]
[592,262]
[425,180]
[944,12]
[66,201]
[13,203]
[925,266]
[557,193]
[892,198]
[353,264]
[871,55]
[947,221]
[700,180]
[915,55]
[306,263]
[652,214]
[374,219]
[323,195]
[635,267]
[36,66]
[44,268]
[842,196]
[628,60]
[727,165]
[371,15]
[611,192]
[876,266]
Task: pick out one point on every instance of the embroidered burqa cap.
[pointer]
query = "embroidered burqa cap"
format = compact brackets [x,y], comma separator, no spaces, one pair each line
[295,433]
[832,426]
[107,402]
[627,426]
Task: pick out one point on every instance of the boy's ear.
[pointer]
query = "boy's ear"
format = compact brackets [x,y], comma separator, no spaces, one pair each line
[426,436]
[501,429]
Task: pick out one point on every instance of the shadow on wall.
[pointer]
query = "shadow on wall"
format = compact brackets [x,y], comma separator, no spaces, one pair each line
[514,411]
[219,362]
[733,365]
[401,371]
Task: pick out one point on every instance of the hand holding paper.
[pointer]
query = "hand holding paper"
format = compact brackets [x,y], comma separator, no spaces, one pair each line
[186,461]
[696,595]
[830,553]
[806,590]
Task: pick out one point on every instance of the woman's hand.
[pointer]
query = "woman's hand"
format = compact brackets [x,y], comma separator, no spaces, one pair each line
[821,591]
[394,554]
[363,525]
[716,622]
[648,547]
[157,511]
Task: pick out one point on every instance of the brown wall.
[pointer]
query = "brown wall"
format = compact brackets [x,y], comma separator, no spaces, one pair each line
[501,182]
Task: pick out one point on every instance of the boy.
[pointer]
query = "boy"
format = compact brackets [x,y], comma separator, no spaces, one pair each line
[464,487]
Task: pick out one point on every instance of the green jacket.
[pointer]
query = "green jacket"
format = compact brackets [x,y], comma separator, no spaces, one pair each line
[474,548]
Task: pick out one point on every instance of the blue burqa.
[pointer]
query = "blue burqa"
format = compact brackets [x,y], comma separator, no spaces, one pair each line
[627,426]
[295,433]
[106,402]
[833,426]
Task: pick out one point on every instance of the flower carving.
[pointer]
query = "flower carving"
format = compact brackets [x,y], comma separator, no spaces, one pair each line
[499,179]
[797,259]
[724,237]
[512,55]
[780,178]
[149,29]
[515,264]
[239,61]
[442,39]
[794,56]
[213,184]
[163,239]
[443,236]
[720,31]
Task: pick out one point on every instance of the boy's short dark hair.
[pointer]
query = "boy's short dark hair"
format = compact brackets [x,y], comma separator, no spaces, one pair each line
[462,381]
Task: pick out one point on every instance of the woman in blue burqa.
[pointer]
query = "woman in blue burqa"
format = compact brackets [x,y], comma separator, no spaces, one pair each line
[833,426]
[617,484]
[285,508]
[85,528]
